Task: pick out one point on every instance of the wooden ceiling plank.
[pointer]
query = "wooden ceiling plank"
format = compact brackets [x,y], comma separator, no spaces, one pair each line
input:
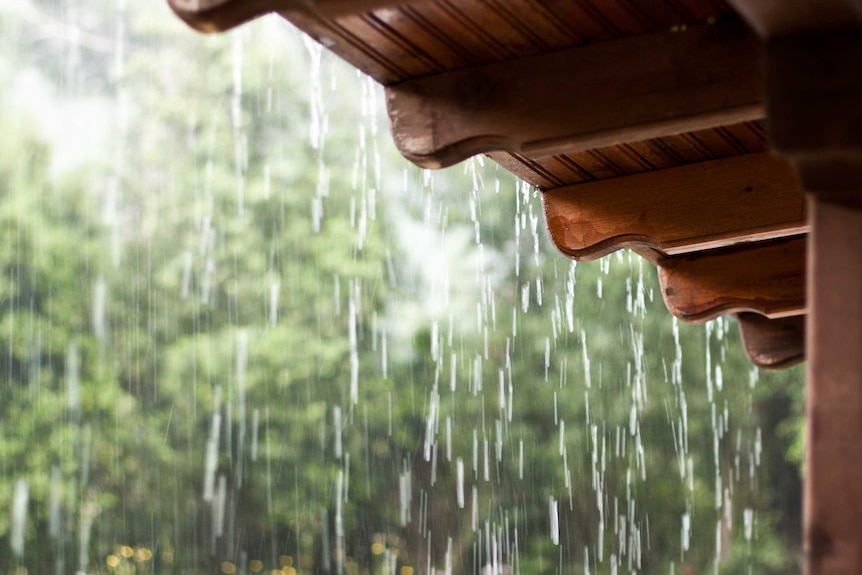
[679,210]
[772,344]
[766,278]
[583,98]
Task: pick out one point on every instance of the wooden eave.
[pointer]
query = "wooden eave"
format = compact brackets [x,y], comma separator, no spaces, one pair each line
[637,119]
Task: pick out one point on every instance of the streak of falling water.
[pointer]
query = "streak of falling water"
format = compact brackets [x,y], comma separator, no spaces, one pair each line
[240,137]
[337,431]
[554,510]
[274,291]
[354,353]
[212,449]
[339,521]
[460,483]
[20,500]
[98,314]
[55,504]
[73,384]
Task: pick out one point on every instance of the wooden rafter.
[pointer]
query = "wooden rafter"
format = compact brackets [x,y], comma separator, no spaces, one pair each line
[766,278]
[679,210]
[582,98]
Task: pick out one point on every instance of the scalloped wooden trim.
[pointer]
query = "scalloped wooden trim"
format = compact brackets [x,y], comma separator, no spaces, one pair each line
[772,344]
[766,278]
[679,210]
[582,98]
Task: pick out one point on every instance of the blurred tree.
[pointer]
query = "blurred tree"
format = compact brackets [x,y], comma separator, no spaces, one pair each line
[229,342]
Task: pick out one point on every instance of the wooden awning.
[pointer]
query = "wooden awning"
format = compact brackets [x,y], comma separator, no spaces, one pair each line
[641,122]
[645,123]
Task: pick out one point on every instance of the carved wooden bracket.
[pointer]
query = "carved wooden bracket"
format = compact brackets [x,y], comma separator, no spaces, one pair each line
[766,278]
[600,95]
[772,344]
[679,210]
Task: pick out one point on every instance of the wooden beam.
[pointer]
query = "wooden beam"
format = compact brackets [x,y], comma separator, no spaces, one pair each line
[772,344]
[588,97]
[220,15]
[766,278]
[679,210]
[816,80]
[778,18]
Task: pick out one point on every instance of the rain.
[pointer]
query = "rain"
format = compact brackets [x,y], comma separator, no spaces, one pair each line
[241,334]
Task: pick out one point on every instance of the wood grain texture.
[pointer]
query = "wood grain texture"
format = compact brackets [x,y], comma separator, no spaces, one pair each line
[583,98]
[679,210]
[772,344]
[766,278]
[426,37]
[636,157]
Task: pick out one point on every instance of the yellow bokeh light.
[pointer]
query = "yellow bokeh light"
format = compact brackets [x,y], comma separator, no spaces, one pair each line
[285,560]
[228,568]
[288,570]
[407,570]
[255,565]
[112,561]
[143,554]
[126,551]
[377,548]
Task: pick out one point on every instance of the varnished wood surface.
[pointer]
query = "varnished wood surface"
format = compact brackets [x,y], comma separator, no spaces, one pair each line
[636,157]
[583,98]
[430,37]
[396,40]
[772,344]
[766,278]
[679,210]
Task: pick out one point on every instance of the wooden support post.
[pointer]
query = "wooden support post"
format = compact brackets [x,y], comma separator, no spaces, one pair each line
[679,210]
[817,74]
[582,98]
[833,488]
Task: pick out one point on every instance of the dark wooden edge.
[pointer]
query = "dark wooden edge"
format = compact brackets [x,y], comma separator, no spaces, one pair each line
[772,344]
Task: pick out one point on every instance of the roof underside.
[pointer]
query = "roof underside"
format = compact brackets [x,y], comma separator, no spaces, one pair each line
[627,113]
